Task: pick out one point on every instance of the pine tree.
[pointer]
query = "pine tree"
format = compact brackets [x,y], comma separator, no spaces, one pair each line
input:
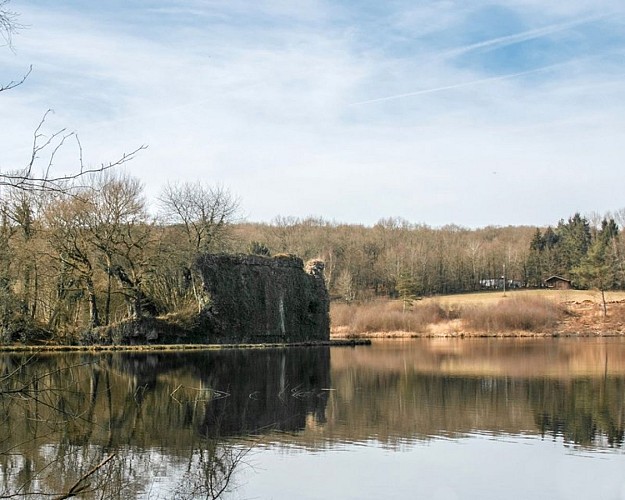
[599,269]
[574,240]
[407,289]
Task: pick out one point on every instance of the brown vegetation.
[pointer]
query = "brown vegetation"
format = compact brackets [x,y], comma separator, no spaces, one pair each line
[524,313]
[93,256]
[395,255]
[385,316]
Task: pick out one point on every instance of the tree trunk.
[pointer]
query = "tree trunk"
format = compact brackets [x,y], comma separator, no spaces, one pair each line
[94,319]
[109,285]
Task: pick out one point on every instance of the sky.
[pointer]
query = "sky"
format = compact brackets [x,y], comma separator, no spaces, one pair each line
[438,112]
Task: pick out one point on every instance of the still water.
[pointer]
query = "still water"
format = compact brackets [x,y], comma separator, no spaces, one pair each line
[435,419]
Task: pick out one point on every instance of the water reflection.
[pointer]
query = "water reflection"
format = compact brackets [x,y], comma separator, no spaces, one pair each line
[583,411]
[159,415]
[181,425]
[574,389]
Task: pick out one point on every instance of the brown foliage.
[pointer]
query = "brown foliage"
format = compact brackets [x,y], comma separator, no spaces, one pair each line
[517,313]
[385,316]
[525,313]
[366,262]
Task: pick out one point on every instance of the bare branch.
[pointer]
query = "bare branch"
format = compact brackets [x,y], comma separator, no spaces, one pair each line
[50,145]
[16,83]
[8,23]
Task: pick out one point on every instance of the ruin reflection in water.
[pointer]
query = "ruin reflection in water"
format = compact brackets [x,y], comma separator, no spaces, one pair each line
[162,425]
[152,416]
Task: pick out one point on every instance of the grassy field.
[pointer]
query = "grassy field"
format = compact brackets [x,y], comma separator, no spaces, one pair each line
[558,296]
[515,313]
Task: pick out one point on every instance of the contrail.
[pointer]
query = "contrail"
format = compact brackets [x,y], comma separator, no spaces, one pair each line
[523,36]
[458,85]
[492,43]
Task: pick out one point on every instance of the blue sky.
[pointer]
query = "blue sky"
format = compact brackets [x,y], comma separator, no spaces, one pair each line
[474,113]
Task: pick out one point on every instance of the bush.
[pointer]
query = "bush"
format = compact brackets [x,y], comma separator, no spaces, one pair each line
[385,316]
[531,314]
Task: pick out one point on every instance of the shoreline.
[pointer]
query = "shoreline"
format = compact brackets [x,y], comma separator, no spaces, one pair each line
[403,335]
[17,348]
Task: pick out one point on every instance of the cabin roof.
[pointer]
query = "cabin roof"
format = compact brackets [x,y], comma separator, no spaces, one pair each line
[557,278]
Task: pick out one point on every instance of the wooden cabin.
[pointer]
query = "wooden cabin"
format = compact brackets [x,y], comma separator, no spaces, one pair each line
[558,283]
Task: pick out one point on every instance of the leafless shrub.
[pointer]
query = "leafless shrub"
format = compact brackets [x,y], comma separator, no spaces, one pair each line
[385,316]
[515,313]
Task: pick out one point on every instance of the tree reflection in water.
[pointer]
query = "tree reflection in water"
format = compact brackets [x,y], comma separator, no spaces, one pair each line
[582,411]
[182,425]
[210,470]
[158,425]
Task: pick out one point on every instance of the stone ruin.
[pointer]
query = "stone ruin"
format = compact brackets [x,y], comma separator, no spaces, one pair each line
[259,299]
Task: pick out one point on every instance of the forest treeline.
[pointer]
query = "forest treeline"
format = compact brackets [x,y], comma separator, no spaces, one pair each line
[72,260]
[396,258]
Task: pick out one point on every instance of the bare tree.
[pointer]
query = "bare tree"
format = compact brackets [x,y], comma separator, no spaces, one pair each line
[101,234]
[21,210]
[205,214]
[45,146]
[119,229]
[66,218]
[204,211]
[15,83]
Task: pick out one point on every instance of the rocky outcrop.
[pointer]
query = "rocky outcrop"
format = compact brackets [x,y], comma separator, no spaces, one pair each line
[260,299]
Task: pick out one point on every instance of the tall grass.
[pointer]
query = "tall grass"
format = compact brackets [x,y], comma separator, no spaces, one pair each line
[385,316]
[520,313]
[532,314]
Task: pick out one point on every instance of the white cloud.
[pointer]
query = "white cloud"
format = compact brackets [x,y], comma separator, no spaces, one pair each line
[265,109]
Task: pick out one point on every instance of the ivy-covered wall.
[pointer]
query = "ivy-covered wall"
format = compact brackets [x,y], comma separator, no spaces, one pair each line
[260,299]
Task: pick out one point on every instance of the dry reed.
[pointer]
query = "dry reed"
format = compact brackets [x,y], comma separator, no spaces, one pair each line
[517,313]
[385,316]
[524,313]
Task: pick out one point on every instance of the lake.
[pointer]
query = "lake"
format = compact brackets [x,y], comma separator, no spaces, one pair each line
[435,419]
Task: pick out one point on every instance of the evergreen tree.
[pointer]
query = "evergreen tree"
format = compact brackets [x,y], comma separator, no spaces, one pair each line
[407,288]
[609,230]
[574,240]
[597,269]
[535,260]
[538,242]
[550,239]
